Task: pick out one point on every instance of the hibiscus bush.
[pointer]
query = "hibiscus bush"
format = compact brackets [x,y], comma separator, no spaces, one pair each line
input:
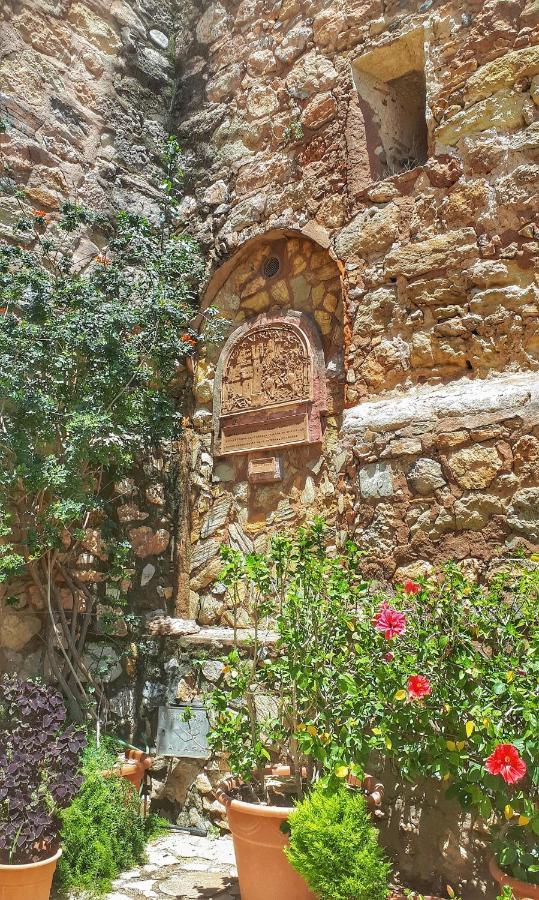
[453,695]
[440,675]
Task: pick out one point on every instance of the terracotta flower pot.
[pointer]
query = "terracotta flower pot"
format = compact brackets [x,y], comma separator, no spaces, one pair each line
[263,870]
[32,881]
[521,889]
[259,842]
[136,764]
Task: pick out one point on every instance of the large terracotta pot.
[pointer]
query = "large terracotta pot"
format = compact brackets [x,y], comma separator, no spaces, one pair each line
[32,881]
[521,890]
[263,870]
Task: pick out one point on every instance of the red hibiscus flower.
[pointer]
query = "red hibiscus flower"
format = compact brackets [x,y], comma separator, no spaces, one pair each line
[418,687]
[505,761]
[411,587]
[389,621]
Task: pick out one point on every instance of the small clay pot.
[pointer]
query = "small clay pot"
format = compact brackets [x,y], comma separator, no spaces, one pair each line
[521,889]
[136,764]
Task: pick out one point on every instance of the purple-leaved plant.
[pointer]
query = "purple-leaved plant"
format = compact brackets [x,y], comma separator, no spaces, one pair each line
[39,769]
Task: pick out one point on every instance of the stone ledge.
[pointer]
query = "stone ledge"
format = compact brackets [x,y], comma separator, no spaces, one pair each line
[448,407]
[191,634]
[224,637]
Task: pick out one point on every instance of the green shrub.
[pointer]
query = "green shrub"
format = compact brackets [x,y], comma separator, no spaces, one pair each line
[334,846]
[103,831]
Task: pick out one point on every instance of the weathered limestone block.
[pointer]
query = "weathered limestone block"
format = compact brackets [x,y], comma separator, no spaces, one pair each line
[225,84]
[94,28]
[466,202]
[444,250]
[475,467]
[294,42]
[372,231]
[262,101]
[376,480]
[503,111]
[213,24]
[502,73]
[147,542]
[447,407]
[319,111]
[426,476]
[526,458]
[523,515]
[472,511]
[17,627]
[311,75]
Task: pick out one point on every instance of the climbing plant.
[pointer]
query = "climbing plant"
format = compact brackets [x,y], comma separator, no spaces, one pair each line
[92,348]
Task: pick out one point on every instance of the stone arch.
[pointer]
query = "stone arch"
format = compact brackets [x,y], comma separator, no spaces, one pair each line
[308,281]
[260,488]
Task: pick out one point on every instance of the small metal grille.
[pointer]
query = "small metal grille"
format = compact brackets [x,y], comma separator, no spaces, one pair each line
[271,266]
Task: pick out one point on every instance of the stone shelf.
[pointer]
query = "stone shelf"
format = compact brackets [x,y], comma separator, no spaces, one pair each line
[192,634]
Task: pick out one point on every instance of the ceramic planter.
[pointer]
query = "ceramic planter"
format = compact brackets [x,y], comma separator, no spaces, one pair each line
[521,890]
[32,881]
[264,872]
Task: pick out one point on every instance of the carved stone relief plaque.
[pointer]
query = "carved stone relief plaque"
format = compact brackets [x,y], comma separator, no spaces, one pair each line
[269,387]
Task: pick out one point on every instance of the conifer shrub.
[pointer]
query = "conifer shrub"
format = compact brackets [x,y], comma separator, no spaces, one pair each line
[103,831]
[334,846]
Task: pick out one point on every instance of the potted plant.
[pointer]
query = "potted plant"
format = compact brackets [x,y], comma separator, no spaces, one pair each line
[265,707]
[438,676]
[39,775]
[334,846]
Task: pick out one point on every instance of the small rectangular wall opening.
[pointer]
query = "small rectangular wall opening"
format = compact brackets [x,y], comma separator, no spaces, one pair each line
[392,93]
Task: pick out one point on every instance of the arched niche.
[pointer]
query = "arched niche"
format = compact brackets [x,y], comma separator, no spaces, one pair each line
[270,386]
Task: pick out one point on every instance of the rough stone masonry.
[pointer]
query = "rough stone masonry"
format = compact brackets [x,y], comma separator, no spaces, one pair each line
[372,165]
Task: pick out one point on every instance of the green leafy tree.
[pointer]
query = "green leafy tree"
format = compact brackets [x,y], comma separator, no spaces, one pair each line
[92,352]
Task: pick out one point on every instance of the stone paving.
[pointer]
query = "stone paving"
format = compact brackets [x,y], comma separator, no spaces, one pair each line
[183,867]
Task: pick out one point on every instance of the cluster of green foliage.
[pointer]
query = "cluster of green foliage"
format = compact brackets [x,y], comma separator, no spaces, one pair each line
[334,846]
[103,831]
[90,351]
[344,689]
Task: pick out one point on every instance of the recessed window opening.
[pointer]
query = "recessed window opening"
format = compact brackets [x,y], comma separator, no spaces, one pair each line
[392,92]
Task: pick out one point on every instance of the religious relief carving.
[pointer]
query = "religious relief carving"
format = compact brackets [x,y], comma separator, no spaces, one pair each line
[268,366]
[270,386]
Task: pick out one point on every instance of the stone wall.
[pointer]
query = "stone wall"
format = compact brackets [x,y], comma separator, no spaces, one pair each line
[387,153]
[436,263]
[86,91]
